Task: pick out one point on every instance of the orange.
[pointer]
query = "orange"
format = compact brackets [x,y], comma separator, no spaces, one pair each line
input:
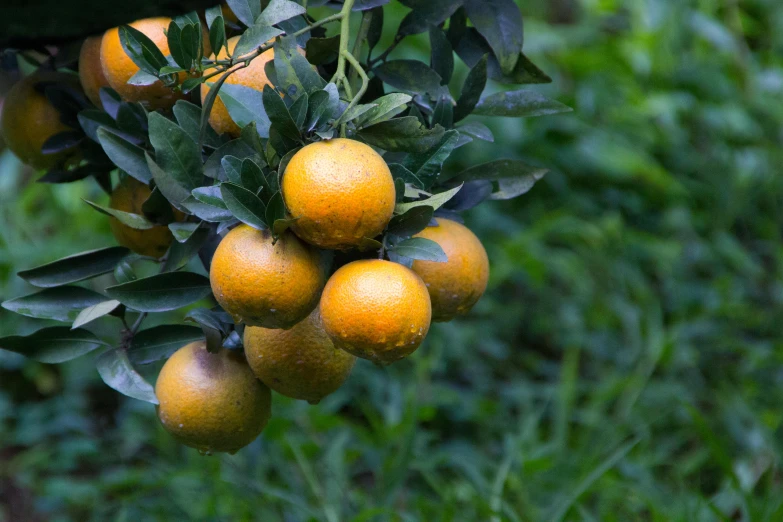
[119,68]
[91,71]
[339,191]
[253,76]
[211,402]
[301,363]
[456,285]
[377,310]
[265,284]
[29,120]
[129,195]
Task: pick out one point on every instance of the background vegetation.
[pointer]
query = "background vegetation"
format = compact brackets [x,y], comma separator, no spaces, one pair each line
[624,365]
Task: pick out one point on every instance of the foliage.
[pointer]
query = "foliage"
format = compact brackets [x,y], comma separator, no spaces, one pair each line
[623,366]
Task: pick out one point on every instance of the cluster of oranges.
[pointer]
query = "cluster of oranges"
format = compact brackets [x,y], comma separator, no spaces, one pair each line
[304,324]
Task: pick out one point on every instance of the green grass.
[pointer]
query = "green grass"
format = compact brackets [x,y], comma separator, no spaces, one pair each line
[624,365]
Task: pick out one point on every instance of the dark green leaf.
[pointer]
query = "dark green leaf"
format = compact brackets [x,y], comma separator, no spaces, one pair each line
[320,51]
[161,292]
[174,40]
[525,72]
[443,114]
[245,105]
[251,176]
[52,345]
[426,166]
[279,115]
[500,22]
[472,193]
[299,110]
[275,210]
[159,342]
[442,56]
[399,189]
[426,14]
[514,177]
[93,119]
[292,68]
[245,10]
[405,134]
[157,208]
[132,121]
[375,31]
[205,211]
[217,28]
[118,373]
[519,104]
[62,141]
[411,222]
[165,182]
[126,218]
[181,253]
[62,303]
[77,267]
[207,317]
[232,166]
[253,38]
[191,41]
[279,10]
[175,152]
[409,75]
[420,248]
[509,188]
[471,90]
[386,108]
[94,312]
[110,100]
[183,231]
[124,271]
[189,118]
[141,50]
[244,205]
[477,130]
[125,155]
[213,166]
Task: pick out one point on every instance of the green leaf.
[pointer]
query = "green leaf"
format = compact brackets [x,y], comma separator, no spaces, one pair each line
[411,222]
[426,14]
[420,248]
[320,109]
[167,185]
[52,345]
[426,166]
[385,108]
[217,28]
[94,312]
[278,11]
[174,40]
[159,342]
[175,152]
[208,317]
[239,148]
[525,72]
[275,210]
[245,10]
[471,90]
[292,68]
[477,130]
[512,187]
[157,208]
[500,22]
[183,231]
[251,176]
[232,166]
[189,118]
[409,75]
[62,141]
[77,267]
[320,51]
[125,155]
[141,50]
[161,292]
[442,56]
[244,205]
[500,169]
[444,112]
[279,115]
[245,105]
[435,201]
[298,110]
[93,119]
[124,271]
[253,38]
[519,104]
[118,373]
[62,303]
[406,134]
[132,121]
[181,253]
[126,218]
[207,211]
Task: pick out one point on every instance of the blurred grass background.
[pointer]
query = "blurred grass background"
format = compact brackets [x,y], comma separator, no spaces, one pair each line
[625,364]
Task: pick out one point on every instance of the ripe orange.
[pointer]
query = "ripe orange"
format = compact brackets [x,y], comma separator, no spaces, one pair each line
[253,76]
[301,363]
[211,402]
[377,310]
[119,68]
[456,285]
[264,284]
[129,195]
[91,71]
[29,120]
[339,191]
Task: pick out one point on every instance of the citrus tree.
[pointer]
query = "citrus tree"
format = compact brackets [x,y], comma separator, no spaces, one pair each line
[301,166]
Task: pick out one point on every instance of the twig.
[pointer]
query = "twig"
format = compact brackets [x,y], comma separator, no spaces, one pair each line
[384,54]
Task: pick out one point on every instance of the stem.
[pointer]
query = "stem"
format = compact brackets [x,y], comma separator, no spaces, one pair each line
[137,324]
[361,36]
[365,81]
[384,54]
[345,35]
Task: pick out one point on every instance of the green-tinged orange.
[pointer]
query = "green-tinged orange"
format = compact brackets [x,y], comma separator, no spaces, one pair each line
[301,363]
[29,120]
[456,285]
[129,196]
[261,283]
[377,310]
[211,402]
[339,191]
